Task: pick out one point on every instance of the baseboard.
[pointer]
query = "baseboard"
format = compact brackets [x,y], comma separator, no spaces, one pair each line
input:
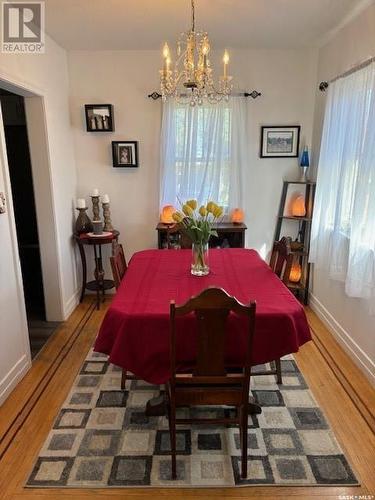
[11,379]
[345,340]
[71,304]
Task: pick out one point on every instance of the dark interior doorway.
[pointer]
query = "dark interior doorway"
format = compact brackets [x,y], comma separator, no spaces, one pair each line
[21,179]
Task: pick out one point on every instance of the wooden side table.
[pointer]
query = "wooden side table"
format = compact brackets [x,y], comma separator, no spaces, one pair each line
[228,234]
[99,284]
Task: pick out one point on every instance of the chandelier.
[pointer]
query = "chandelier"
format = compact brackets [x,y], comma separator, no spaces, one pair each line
[191,79]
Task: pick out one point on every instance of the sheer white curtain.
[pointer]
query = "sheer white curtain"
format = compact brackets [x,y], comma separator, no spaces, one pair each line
[203,152]
[343,229]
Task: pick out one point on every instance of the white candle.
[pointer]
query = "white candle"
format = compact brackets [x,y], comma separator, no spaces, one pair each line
[105,198]
[95,192]
[81,203]
[225,61]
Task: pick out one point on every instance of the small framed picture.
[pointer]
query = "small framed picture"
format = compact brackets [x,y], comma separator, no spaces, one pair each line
[99,118]
[125,153]
[280,142]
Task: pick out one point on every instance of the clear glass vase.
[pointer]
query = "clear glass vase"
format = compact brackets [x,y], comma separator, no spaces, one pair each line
[199,263]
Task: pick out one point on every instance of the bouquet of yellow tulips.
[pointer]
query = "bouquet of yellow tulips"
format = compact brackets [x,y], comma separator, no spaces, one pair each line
[198,225]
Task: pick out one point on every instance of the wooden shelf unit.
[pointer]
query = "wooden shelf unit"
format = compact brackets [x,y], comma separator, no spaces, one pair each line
[300,289]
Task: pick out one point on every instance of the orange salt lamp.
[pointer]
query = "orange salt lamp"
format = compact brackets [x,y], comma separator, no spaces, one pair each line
[295,273]
[166,214]
[299,207]
[237,216]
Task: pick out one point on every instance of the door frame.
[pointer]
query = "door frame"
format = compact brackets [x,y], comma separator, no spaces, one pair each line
[35,109]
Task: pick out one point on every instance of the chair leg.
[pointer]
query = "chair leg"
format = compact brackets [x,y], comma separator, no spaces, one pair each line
[123,380]
[172,431]
[244,433]
[279,379]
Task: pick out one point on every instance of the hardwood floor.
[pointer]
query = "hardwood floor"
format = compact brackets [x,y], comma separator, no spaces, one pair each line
[27,416]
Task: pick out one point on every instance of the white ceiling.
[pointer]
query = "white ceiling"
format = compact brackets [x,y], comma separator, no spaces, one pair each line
[145,24]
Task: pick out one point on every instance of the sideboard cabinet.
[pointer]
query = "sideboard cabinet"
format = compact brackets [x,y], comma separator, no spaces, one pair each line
[229,236]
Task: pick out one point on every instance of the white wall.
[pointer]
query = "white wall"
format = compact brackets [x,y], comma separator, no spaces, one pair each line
[348,318]
[125,78]
[44,75]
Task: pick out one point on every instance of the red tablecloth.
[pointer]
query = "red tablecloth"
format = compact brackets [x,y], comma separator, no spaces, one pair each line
[135,330]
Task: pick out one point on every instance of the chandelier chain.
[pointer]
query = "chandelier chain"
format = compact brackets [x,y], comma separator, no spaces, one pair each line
[192,15]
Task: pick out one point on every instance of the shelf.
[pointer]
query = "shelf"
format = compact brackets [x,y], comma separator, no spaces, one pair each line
[292,217]
[307,183]
[300,253]
[296,286]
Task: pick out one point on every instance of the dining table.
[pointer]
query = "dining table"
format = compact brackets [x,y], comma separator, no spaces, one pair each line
[135,332]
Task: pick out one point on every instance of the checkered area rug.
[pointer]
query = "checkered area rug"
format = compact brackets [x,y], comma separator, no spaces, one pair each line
[101,438]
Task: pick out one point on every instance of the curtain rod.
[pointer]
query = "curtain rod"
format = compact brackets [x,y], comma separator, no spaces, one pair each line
[323,86]
[254,94]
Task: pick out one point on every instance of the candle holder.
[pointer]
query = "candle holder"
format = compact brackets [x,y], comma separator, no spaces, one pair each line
[107,217]
[83,222]
[95,207]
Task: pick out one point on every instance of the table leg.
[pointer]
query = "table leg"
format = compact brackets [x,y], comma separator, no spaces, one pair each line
[97,274]
[84,270]
[157,407]
[101,273]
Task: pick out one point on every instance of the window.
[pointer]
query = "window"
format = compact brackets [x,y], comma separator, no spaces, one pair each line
[200,156]
[343,231]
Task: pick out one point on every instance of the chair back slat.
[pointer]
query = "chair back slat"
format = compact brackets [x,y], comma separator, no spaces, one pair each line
[210,356]
[118,263]
[282,258]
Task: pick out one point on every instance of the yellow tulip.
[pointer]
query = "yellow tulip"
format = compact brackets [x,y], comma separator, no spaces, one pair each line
[218,212]
[192,204]
[188,211]
[177,217]
[203,211]
[210,206]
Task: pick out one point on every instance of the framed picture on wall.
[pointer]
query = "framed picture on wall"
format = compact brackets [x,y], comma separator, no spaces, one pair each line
[125,154]
[280,141]
[99,118]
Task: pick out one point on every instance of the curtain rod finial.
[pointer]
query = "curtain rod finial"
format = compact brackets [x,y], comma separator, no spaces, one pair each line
[323,86]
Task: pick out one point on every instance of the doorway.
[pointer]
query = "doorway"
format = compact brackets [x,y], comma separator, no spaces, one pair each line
[22,188]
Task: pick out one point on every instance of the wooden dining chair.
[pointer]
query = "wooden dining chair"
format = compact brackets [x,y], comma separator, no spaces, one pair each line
[119,267]
[282,259]
[184,241]
[118,263]
[281,264]
[209,383]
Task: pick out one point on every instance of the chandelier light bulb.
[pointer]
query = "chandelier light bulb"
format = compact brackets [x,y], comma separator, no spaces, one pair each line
[226,57]
[205,49]
[165,51]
